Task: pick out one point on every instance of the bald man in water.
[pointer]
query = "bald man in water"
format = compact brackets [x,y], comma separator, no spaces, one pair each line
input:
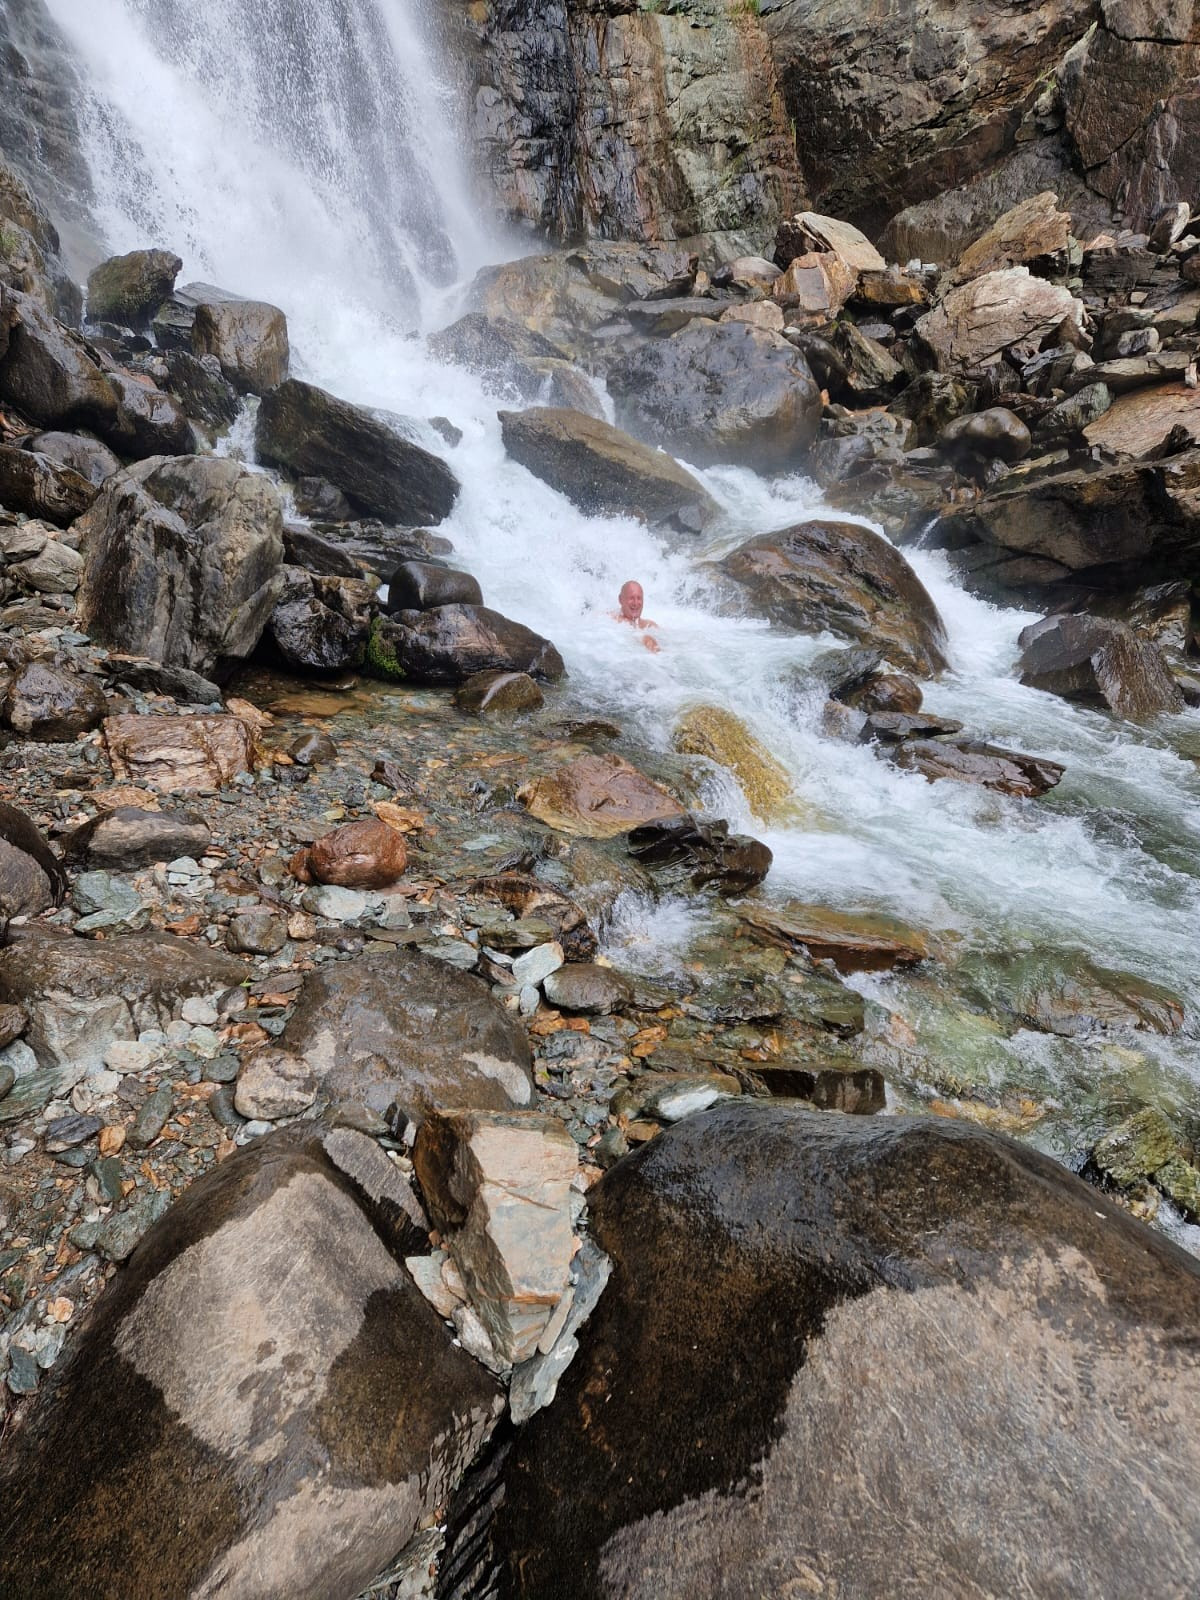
[631,599]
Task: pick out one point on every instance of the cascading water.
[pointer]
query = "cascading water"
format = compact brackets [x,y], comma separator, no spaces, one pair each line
[301,151]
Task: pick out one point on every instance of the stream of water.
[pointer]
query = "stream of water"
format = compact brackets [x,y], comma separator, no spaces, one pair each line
[302,151]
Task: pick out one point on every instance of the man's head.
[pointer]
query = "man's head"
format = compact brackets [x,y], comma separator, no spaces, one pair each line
[632,600]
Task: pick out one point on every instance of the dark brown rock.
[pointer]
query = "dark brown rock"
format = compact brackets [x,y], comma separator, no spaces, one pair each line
[367,854]
[841,577]
[703,852]
[975,761]
[19,830]
[310,432]
[423,585]
[884,693]
[129,289]
[852,941]
[51,704]
[407,1029]
[248,338]
[321,624]
[996,434]
[37,486]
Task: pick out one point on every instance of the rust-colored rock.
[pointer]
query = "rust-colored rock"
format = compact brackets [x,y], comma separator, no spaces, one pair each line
[367,854]
[1032,233]
[1136,424]
[855,941]
[598,796]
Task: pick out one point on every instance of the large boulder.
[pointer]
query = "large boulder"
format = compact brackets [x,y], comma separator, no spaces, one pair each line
[183,561]
[149,422]
[603,471]
[248,338]
[316,435]
[720,392]
[977,323]
[1099,661]
[40,487]
[935,1331]
[52,704]
[841,578]
[406,1029]
[88,457]
[129,289]
[84,993]
[260,1325]
[1033,234]
[179,754]
[48,373]
[449,644]
[598,797]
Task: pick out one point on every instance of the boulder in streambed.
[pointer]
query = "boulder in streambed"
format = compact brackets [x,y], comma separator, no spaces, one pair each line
[701,853]
[598,797]
[22,835]
[82,454]
[514,360]
[367,854]
[179,754]
[51,704]
[256,1326]
[182,561]
[720,392]
[973,761]
[975,325]
[385,475]
[903,1296]
[449,644]
[715,733]
[405,1029]
[1098,661]
[129,289]
[499,694]
[842,578]
[321,624]
[604,471]
[1066,993]
[854,941]
[996,434]
[248,337]
[49,373]
[127,837]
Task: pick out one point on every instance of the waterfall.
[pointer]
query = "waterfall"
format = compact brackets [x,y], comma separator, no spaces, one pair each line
[302,151]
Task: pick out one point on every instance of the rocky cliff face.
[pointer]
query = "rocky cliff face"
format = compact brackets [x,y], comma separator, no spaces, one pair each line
[610,119]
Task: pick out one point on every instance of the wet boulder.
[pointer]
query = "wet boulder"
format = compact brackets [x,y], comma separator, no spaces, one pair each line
[236,1337]
[720,392]
[583,986]
[321,624]
[367,854]
[423,586]
[38,486]
[1099,661]
[21,836]
[514,360]
[385,475]
[841,578]
[598,797]
[717,734]
[854,941]
[883,693]
[996,434]
[129,289]
[182,561]
[1065,993]
[499,694]
[404,1029]
[48,373]
[149,422]
[701,853]
[248,338]
[604,471]
[449,644]
[52,704]
[902,1297]
[975,761]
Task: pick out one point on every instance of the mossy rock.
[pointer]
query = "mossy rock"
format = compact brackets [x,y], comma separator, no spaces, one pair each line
[1137,1149]
[380,659]
[1180,1182]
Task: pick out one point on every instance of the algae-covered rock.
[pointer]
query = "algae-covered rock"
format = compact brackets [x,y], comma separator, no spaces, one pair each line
[716,733]
[1136,1149]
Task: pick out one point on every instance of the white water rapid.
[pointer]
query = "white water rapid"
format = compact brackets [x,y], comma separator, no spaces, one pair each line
[302,151]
